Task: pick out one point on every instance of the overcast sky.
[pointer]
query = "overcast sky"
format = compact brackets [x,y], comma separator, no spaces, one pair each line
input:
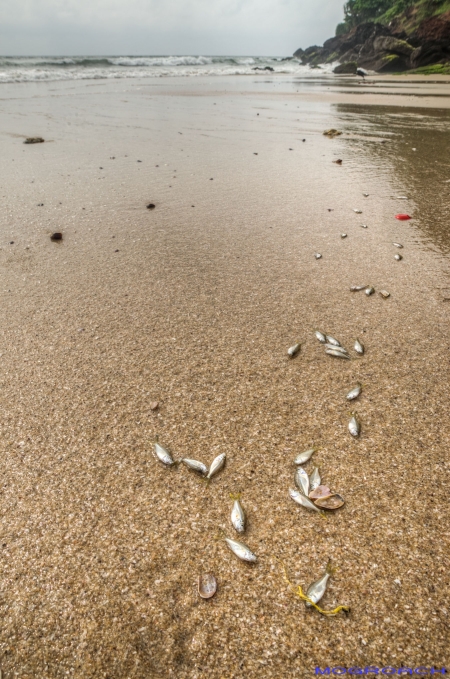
[211,27]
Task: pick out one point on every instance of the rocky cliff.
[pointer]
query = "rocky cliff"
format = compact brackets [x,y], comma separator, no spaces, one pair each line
[410,40]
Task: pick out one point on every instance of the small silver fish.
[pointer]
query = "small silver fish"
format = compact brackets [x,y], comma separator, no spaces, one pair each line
[334,348]
[354,393]
[397,245]
[369,291]
[337,354]
[304,457]
[402,197]
[398,257]
[195,465]
[314,479]
[357,288]
[363,226]
[354,427]
[302,480]
[292,351]
[358,212]
[317,589]
[333,341]
[216,465]
[238,516]
[359,348]
[343,235]
[320,336]
[318,255]
[163,455]
[241,550]
[385,294]
[300,499]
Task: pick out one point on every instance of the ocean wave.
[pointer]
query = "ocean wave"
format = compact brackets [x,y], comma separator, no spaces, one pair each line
[38,69]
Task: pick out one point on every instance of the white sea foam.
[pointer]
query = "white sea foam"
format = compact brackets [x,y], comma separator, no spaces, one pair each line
[26,69]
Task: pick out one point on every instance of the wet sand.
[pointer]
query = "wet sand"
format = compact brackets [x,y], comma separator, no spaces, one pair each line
[194,305]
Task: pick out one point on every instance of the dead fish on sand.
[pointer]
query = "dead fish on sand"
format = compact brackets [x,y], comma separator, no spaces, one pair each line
[335,348]
[237,514]
[359,348]
[357,288]
[363,226]
[337,354]
[317,589]
[397,245]
[216,465]
[195,466]
[318,255]
[302,480]
[354,426]
[369,291]
[304,457]
[333,341]
[163,455]
[343,235]
[293,351]
[314,479]
[240,550]
[354,393]
[320,336]
[398,257]
[302,500]
[358,212]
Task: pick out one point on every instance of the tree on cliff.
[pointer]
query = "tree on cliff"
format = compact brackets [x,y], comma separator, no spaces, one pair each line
[359,11]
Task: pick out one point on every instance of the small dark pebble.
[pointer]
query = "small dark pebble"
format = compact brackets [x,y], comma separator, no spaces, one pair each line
[257,114]
[338,161]
[40,204]
[139,161]
[151,206]
[330,209]
[56,236]
[255,154]
[291,149]
[116,251]
[11,242]
[100,168]
[34,140]
[211,178]
[192,205]
[112,157]
[303,139]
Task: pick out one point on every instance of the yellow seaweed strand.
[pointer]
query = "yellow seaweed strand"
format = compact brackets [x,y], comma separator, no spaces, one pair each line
[299,592]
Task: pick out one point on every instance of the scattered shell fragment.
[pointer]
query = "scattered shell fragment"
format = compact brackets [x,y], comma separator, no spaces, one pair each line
[216,465]
[332,340]
[337,354]
[354,426]
[370,290]
[385,294]
[207,585]
[314,479]
[293,351]
[318,255]
[302,481]
[358,212]
[359,348]
[354,393]
[195,465]
[320,492]
[397,245]
[241,550]
[343,235]
[331,502]
[163,455]
[320,336]
[332,133]
[398,257]
[357,288]
[154,405]
[238,516]
[300,499]
[304,457]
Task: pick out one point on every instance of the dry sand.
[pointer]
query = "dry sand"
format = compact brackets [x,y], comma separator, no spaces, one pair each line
[195,307]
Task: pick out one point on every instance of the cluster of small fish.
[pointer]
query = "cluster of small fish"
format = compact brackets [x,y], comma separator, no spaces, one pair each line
[311,494]
[369,290]
[334,348]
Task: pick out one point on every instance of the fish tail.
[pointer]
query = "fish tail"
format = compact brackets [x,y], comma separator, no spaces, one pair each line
[235,496]
[330,569]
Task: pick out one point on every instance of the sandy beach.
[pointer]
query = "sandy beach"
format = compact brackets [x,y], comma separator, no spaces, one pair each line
[193,305]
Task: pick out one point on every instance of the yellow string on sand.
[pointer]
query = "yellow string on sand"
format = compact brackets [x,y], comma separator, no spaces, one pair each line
[299,592]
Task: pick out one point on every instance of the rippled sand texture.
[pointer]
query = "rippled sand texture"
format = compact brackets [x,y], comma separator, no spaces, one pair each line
[194,305]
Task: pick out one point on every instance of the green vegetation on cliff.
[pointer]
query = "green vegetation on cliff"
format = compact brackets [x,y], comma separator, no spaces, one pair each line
[407,14]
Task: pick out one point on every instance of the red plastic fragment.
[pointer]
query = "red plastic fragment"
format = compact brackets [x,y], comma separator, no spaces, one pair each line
[402,217]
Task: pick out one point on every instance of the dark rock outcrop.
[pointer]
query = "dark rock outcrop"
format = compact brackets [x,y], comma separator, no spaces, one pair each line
[384,49]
